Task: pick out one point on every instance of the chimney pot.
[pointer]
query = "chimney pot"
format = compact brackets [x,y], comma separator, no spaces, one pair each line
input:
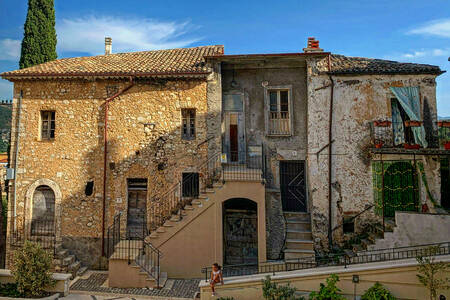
[312,46]
[108,45]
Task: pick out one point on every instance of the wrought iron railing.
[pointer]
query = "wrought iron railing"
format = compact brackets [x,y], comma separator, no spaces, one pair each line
[39,230]
[389,254]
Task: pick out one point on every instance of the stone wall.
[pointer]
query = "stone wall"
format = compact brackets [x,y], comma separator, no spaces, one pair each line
[358,100]
[75,156]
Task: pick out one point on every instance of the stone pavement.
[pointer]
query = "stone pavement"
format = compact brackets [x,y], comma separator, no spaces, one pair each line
[95,283]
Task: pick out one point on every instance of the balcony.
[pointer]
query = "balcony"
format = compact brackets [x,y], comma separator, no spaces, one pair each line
[399,137]
[279,123]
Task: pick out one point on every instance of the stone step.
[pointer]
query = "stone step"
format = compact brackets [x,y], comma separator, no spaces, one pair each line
[299,244]
[62,254]
[74,267]
[160,230]
[298,234]
[210,191]
[81,271]
[297,216]
[175,218]
[298,225]
[189,207]
[68,260]
[292,254]
[366,243]
[196,202]
[389,224]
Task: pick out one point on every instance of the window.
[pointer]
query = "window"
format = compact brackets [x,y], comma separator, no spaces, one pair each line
[190,185]
[188,123]
[279,112]
[47,125]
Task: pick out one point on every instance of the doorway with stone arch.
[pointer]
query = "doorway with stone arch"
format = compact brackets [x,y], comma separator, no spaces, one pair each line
[240,232]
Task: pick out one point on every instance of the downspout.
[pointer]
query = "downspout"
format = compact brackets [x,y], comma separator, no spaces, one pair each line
[330,156]
[16,156]
[105,157]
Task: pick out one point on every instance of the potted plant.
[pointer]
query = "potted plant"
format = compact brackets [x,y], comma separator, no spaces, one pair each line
[411,123]
[378,143]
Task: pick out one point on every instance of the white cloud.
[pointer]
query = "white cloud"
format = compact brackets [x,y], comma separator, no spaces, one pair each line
[420,54]
[9,49]
[439,28]
[87,34]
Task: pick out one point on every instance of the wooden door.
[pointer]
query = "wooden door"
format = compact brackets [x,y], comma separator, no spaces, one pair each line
[293,186]
[137,208]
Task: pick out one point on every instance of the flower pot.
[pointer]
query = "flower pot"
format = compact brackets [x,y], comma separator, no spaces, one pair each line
[413,123]
[411,146]
[379,144]
[444,124]
[447,145]
[382,123]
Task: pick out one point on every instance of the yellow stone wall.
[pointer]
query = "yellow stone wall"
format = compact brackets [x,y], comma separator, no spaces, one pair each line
[75,156]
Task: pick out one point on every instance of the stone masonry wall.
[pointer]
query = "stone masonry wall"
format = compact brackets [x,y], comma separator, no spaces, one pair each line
[75,156]
[358,100]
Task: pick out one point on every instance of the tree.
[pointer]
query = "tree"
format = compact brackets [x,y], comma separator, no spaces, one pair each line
[429,271]
[39,40]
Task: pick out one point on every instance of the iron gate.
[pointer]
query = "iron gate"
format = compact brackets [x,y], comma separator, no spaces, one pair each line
[292,185]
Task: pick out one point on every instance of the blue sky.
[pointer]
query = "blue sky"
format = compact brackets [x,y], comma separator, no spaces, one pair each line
[409,31]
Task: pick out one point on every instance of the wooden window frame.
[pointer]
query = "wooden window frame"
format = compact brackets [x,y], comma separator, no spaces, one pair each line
[267,111]
[47,133]
[191,125]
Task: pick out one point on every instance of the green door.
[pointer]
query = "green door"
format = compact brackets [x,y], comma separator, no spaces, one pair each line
[400,188]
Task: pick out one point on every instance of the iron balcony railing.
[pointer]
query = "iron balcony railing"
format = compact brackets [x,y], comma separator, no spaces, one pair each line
[39,230]
[388,134]
[389,254]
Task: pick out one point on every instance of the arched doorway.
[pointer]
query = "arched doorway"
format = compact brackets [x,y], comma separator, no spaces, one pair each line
[400,188]
[43,211]
[240,232]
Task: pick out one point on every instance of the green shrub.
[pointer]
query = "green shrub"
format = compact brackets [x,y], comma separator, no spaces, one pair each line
[9,290]
[273,291]
[329,291]
[31,270]
[377,292]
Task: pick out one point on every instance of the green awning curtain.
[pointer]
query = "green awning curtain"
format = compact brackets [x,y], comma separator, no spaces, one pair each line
[409,99]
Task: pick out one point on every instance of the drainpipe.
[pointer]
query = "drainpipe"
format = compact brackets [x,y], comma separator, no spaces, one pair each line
[19,107]
[330,156]
[105,157]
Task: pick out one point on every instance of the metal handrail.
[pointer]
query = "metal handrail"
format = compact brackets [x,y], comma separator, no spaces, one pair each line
[388,254]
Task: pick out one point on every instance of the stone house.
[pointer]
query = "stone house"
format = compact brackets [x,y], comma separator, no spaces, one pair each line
[166,161]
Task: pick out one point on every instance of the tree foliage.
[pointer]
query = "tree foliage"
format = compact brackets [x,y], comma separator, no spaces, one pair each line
[273,291]
[328,291]
[31,270]
[377,292]
[433,274]
[39,41]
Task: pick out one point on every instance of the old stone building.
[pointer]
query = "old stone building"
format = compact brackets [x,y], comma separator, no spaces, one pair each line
[175,159]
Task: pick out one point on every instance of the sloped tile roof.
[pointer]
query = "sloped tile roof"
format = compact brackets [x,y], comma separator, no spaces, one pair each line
[180,61]
[341,65]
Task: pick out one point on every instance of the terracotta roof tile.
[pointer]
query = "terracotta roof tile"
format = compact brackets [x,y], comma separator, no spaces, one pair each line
[341,65]
[159,62]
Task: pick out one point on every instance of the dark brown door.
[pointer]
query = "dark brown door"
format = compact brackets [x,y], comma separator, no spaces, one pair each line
[234,144]
[137,208]
[292,185]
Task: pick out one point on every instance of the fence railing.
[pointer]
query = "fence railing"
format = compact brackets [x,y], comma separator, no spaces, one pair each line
[388,134]
[38,230]
[389,254]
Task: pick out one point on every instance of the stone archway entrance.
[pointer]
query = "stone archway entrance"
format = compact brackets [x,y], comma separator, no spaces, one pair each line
[240,232]
[43,211]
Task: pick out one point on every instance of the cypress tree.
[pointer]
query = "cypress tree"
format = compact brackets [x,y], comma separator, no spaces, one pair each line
[39,40]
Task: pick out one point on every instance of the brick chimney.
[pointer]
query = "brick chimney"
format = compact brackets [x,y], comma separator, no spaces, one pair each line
[108,45]
[313,46]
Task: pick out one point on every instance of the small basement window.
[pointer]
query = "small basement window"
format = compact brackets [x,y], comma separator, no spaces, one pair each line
[47,125]
[349,225]
[89,190]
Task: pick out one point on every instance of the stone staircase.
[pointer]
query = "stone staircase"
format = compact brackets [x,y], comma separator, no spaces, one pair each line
[376,232]
[64,262]
[299,243]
